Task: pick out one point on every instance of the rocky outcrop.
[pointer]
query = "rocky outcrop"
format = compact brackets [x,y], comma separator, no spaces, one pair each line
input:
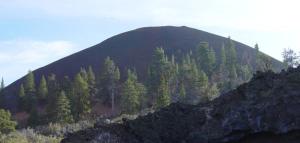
[266,109]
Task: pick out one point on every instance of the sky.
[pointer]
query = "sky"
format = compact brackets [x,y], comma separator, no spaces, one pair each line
[34,33]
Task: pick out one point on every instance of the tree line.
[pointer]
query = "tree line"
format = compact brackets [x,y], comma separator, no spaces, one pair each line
[190,78]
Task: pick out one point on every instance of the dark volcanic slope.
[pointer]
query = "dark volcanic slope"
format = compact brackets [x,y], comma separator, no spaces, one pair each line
[134,49]
[265,110]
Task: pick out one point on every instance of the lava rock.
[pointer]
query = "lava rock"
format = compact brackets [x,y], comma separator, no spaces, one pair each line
[265,110]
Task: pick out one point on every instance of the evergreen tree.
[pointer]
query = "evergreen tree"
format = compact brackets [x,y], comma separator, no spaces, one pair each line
[22,91]
[223,57]
[43,89]
[212,59]
[257,57]
[2,86]
[81,100]
[222,72]
[142,91]
[263,62]
[53,92]
[220,75]
[156,69]
[160,67]
[194,81]
[29,84]
[30,91]
[67,86]
[21,97]
[231,64]
[91,81]
[174,80]
[109,80]
[34,118]
[231,59]
[163,98]
[205,58]
[203,80]
[63,109]
[84,74]
[130,95]
[2,98]
[6,123]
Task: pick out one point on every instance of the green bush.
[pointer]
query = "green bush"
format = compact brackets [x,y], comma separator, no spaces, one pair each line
[28,136]
[6,124]
[60,130]
[51,133]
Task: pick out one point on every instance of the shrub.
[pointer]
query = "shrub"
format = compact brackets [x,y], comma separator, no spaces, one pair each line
[28,136]
[6,124]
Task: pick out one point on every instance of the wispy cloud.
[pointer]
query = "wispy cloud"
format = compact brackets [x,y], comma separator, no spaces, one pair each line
[24,55]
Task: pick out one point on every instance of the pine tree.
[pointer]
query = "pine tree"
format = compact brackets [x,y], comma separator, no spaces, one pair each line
[34,118]
[223,57]
[142,92]
[257,57]
[2,93]
[205,57]
[203,80]
[109,80]
[7,125]
[130,95]
[30,91]
[43,89]
[91,81]
[81,100]
[222,71]
[21,97]
[230,54]
[194,81]
[66,85]
[221,74]
[231,64]
[53,92]
[163,98]
[29,83]
[22,91]
[84,74]
[63,109]
[2,86]
[212,60]
[160,66]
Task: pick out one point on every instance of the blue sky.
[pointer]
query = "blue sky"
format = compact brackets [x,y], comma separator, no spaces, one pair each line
[34,33]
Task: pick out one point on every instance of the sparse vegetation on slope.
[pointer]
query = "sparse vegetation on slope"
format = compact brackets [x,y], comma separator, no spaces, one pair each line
[266,107]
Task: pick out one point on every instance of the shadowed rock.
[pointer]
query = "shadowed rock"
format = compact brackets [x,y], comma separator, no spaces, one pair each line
[265,110]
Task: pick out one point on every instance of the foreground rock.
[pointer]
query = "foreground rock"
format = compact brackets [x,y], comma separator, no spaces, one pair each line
[265,110]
